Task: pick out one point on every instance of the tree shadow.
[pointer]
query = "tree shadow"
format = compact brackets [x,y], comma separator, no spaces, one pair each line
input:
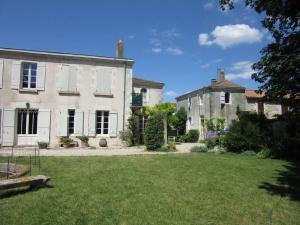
[288,182]
[19,191]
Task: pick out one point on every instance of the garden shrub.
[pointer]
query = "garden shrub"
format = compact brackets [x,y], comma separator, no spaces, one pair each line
[264,153]
[249,152]
[171,147]
[154,132]
[191,136]
[211,142]
[199,149]
[249,133]
[126,136]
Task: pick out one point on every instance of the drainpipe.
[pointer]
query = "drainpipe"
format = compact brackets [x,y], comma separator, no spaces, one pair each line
[124,98]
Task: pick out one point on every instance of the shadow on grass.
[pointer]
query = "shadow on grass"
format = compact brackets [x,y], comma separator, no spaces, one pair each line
[288,182]
[19,191]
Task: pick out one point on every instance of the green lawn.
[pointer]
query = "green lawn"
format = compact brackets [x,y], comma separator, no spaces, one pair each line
[202,188]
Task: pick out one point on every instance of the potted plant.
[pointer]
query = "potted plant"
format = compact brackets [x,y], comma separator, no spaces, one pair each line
[65,141]
[84,141]
[42,145]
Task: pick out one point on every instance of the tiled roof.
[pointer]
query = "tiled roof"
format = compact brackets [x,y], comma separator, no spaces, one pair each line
[253,94]
[226,84]
[136,81]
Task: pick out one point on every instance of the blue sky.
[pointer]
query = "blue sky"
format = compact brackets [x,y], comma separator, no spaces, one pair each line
[181,43]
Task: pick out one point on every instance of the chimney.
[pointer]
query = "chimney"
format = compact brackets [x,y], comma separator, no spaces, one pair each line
[120,49]
[213,82]
[221,75]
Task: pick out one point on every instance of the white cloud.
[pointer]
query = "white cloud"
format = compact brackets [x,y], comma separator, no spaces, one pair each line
[174,51]
[172,94]
[208,5]
[156,50]
[240,70]
[131,37]
[229,35]
[206,65]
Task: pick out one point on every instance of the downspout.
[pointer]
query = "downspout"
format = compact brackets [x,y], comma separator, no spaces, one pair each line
[124,98]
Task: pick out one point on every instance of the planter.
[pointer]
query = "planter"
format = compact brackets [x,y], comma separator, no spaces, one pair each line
[84,144]
[66,145]
[103,142]
[42,145]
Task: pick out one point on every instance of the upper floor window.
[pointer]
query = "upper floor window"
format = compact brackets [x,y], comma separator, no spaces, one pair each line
[144,93]
[102,118]
[200,99]
[29,75]
[227,97]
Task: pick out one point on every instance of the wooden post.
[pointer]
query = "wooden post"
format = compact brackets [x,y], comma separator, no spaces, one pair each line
[165,130]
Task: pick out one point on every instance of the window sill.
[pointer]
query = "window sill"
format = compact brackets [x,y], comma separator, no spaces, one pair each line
[107,95]
[76,93]
[35,91]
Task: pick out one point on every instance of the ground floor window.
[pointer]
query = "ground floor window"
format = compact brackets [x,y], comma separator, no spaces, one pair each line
[71,116]
[102,122]
[27,121]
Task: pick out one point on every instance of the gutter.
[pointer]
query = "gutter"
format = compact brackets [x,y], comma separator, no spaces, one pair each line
[124,97]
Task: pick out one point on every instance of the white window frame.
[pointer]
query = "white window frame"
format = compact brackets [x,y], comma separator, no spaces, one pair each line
[27,122]
[29,76]
[102,123]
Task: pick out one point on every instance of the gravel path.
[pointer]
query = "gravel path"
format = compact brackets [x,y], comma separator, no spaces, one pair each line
[140,150]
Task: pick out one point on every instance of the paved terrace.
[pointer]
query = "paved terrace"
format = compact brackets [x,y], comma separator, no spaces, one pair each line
[113,151]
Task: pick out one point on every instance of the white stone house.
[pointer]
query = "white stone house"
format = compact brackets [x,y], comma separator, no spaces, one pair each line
[220,99]
[45,95]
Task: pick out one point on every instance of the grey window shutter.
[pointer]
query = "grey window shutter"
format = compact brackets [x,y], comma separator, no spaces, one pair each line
[43,129]
[72,79]
[92,123]
[63,78]
[222,97]
[63,122]
[104,78]
[1,72]
[41,74]
[113,124]
[8,127]
[78,122]
[15,75]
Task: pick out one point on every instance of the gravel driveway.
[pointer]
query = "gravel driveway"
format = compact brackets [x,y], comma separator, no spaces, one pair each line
[136,150]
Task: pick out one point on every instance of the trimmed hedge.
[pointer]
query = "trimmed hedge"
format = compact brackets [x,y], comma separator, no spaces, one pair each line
[191,136]
[154,132]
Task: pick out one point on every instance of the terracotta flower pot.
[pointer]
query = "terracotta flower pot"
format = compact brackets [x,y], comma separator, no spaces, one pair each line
[66,145]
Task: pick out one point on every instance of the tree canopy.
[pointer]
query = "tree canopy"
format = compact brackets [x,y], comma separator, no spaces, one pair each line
[278,70]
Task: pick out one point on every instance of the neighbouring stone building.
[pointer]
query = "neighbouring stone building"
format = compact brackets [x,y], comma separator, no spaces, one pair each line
[221,99]
[145,93]
[46,95]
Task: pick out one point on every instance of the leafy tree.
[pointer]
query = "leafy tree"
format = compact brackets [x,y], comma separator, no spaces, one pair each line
[180,123]
[278,70]
[166,109]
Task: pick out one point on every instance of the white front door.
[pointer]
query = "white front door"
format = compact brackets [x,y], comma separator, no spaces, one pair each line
[27,126]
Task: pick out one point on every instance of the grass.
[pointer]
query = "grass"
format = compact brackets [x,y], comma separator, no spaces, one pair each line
[203,188]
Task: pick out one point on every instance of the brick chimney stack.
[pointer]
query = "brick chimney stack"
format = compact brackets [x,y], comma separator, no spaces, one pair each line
[120,49]
[213,82]
[221,75]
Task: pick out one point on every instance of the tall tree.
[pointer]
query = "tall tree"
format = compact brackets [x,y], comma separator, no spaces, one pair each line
[278,70]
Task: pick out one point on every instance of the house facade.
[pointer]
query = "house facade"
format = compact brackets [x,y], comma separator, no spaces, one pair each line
[46,95]
[221,99]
